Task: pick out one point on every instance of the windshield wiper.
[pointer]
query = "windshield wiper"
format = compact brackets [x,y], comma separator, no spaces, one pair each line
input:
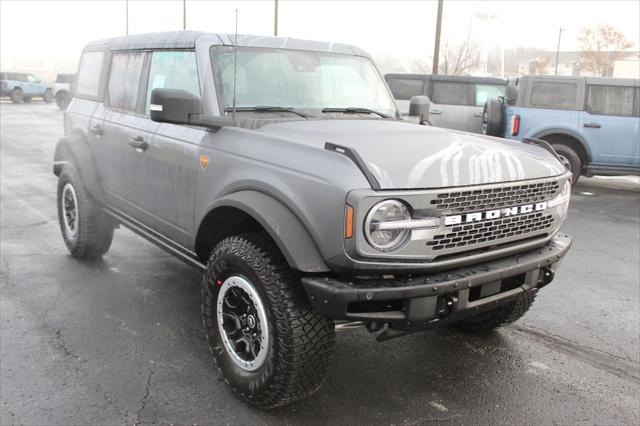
[356,110]
[268,109]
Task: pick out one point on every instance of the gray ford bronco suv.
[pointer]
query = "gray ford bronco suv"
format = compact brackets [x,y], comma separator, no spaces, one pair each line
[282,170]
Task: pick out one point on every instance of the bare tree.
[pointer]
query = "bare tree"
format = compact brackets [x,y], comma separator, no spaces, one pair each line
[601,46]
[540,65]
[460,57]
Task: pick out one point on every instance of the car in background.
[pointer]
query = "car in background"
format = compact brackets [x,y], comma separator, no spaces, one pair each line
[62,90]
[22,87]
[593,123]
[457,102]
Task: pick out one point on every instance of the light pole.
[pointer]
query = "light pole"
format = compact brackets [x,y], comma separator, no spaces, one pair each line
[436,48]
[275,18]
[558,49]
[184,14]
[126,17]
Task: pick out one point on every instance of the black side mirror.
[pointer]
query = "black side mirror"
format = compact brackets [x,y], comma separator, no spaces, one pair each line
[419,107]
[173,106]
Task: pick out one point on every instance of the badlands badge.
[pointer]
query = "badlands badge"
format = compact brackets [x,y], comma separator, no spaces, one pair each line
[204,162]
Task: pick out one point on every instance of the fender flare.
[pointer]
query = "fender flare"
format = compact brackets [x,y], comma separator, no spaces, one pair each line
[286,230]
[75,149]
[569,133]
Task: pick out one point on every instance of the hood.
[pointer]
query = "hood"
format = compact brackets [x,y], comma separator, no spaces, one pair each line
[403,155]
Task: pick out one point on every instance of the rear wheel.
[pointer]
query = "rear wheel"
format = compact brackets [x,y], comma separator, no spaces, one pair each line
[62,100]
[570,159]
[492,118]
[502,315]
[268,343]
[86,229]
[16,95]
[48,96]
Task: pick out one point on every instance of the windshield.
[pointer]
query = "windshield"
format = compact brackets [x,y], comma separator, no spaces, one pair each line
[303,80]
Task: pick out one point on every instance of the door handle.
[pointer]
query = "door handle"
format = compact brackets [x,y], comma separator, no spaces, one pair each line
[592,125]
[436,112]
[138,142]
[96,129]
[478,114]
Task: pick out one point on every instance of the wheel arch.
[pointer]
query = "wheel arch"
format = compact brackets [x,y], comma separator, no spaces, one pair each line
[75,150]
[251,211]
[569,138]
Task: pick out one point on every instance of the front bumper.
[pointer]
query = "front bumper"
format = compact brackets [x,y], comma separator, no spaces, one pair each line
[442,297]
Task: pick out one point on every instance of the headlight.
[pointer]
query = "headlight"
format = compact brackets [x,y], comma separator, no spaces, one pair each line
[386,211]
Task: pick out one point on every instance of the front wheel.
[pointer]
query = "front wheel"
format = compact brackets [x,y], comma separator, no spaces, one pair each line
[86,229]
[268,343]
[62,100]
[48,96]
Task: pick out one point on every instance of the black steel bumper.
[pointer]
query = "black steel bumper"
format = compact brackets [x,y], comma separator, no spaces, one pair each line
[439,297]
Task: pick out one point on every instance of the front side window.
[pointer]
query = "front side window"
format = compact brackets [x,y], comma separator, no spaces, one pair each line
[31,78]
[485,92]
[610,100]
[88,84]
[173,70]
[404,89]
[304,80]
[449,93]
[124,80]
[556,95]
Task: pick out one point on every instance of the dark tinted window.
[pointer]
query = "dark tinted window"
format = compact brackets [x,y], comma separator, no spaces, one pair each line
[63,78]
[89,74]
[554,94]
[404,89]
[124,80]
[636,103]
[173,70]
[610,100]
[448,93]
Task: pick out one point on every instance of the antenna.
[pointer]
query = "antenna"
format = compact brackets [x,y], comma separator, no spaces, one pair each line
[235,71]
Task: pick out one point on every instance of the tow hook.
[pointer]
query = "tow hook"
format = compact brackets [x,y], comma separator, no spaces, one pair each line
[545,277]
[448,306]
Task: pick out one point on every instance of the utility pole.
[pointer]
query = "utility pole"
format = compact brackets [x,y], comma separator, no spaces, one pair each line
[275,19]
[436,49]
[126,17]
[184,14]
[558,49]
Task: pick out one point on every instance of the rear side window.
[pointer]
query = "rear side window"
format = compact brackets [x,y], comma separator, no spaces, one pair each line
[610,100]
[173,70]
[485,92]
[89,74]
[446,93]
[124,80]
[404,89]
[547,94]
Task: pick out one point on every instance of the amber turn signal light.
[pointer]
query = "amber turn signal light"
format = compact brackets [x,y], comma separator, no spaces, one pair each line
[348,221]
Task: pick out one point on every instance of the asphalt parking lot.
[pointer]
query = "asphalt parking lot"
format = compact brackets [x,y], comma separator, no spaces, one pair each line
[121,341]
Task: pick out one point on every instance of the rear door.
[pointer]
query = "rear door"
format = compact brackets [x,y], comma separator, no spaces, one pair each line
[450,105]
[165,190]
[611,126]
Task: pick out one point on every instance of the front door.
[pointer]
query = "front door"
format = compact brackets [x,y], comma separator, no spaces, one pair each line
[609,126]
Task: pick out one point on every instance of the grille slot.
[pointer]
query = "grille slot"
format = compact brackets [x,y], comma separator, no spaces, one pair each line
[491,230]
[494,198]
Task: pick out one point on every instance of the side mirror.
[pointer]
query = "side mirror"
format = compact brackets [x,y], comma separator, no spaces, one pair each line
[419,107]
[173,106]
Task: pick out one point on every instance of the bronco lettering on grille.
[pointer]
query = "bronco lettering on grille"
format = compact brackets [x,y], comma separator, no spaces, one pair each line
[494,214]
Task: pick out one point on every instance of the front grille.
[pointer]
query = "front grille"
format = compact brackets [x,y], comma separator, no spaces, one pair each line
[494,198]
[491,230]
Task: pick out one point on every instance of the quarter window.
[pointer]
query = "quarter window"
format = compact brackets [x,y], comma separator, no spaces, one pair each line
[173,70]
[89,74]
[404,89]
[446,93]
[556,95]
[610,100]
[485,92]
[124,80]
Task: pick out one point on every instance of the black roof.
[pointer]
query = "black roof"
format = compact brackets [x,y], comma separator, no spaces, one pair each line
[442,77]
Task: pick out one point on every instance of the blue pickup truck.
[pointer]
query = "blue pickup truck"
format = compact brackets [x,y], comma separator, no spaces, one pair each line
[593,123]
[22,87]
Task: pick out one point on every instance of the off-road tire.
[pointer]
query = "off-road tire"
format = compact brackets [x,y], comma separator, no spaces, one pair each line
[493,118]
[48,96]
[502,315]
[26,99]
[62,100]
[301,342]
[570,159]
[16,96]
[95,227]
